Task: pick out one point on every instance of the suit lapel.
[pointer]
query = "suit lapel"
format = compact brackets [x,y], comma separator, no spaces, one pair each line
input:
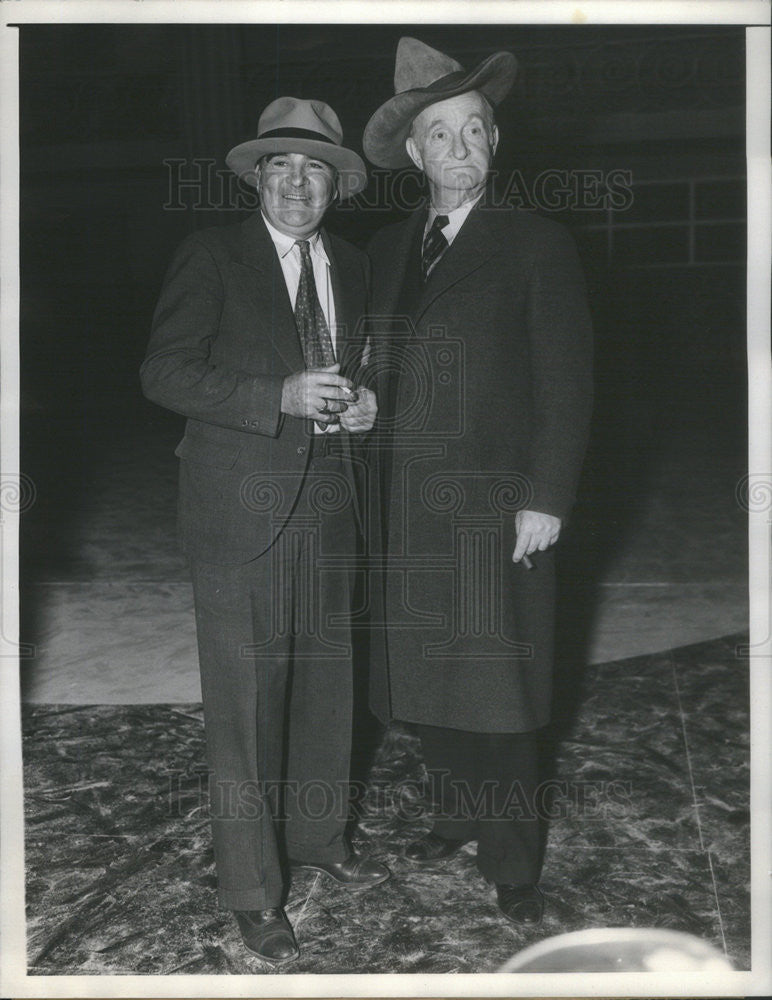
[270,290]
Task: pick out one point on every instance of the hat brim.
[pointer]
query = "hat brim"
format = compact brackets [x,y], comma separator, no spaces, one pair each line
[386,132]
[352,173]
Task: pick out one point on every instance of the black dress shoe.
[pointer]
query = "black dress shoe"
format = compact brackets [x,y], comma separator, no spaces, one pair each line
[433,847]
[356,872]
[520,904]
[267,935]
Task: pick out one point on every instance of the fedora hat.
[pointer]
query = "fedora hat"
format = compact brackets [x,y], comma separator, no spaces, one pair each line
[291,125]
[424,76]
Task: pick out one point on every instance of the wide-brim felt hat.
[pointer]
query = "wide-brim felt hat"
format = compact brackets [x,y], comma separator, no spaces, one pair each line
[422,77]
[292,125]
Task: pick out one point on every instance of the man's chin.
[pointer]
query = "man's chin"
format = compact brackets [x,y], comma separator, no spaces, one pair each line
[296,220]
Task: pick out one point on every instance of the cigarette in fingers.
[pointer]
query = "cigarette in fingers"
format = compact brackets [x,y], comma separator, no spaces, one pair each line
[527,563]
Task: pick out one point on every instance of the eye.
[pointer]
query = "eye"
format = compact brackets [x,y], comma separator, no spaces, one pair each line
[440,134]
[278,161]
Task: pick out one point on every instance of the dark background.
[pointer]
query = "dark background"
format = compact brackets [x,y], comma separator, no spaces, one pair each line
[104,108]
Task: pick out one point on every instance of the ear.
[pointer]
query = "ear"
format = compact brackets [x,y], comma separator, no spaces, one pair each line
[413,152]
[495,138]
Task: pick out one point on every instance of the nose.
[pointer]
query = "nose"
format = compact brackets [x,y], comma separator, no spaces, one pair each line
[460,148]
[297,174]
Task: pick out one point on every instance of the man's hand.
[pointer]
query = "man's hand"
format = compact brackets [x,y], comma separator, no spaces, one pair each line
[318,393]
[534,531]
[360,416]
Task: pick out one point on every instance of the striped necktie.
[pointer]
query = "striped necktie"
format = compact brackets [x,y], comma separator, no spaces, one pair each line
[435,245]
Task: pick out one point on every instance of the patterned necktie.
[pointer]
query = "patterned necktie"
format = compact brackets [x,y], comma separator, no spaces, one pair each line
[309,317]
[435,245]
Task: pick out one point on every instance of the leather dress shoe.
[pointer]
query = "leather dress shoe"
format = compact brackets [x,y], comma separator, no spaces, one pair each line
[356,872]
[267,934]
[433,847]
[520,904]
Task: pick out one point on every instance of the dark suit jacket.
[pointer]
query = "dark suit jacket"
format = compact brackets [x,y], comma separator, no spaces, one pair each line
[223,340]
[491,414]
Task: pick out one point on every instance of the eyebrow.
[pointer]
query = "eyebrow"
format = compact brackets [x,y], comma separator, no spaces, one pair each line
[442,121]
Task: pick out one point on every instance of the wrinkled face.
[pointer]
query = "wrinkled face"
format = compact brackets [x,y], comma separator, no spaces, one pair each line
[453,142]
[295,192]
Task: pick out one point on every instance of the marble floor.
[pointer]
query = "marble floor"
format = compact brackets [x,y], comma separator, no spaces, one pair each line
[649,829]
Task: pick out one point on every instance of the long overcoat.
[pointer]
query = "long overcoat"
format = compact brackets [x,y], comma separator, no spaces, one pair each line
[484,382]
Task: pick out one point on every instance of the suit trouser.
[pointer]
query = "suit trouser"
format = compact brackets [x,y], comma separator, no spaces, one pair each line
[277,693]
[484,786]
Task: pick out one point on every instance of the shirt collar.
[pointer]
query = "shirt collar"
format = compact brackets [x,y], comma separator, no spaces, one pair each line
[456,218]
[285,243]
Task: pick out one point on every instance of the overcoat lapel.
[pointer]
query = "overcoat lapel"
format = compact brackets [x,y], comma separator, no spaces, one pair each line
[268,286]
[346,307]
[390,292]
[472,248]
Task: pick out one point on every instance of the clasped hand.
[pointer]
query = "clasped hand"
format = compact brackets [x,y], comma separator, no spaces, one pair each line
[324,395]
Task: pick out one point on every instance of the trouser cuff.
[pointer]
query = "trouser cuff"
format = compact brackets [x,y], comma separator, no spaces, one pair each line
[247,899]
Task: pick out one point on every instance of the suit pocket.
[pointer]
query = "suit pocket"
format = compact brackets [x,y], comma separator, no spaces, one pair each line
[217,455]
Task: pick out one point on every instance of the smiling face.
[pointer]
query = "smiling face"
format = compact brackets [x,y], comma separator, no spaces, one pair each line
[453,142]
[295,192]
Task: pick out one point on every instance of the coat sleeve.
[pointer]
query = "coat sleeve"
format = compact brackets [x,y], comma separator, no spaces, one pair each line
[560,344]
[178,371]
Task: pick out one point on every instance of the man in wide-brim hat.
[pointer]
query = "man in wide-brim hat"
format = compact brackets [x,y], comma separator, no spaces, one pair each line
[254,341]
[485,397]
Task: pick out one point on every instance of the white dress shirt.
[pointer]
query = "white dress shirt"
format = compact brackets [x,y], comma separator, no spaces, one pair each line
[289,257]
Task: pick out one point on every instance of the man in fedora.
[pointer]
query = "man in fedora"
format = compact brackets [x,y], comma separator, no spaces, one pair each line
[485,397]
[254,342]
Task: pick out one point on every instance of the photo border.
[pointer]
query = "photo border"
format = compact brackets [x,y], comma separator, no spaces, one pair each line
[14,981]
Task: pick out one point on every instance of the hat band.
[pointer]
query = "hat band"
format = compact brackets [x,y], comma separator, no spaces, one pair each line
[296,133]
[447,81]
